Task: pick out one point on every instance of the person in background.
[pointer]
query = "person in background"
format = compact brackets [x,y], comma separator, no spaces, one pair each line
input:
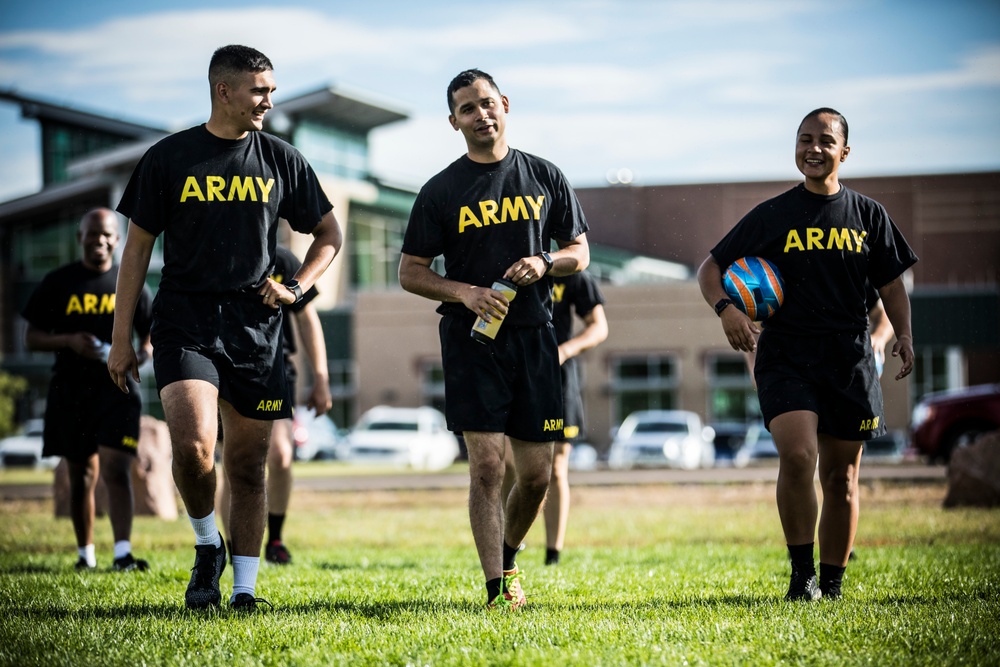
[88,421]
[281,451]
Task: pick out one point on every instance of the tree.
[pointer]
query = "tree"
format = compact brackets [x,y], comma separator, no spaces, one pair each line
[11,388]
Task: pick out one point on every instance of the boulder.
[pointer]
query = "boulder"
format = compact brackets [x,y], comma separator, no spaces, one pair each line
[974,474]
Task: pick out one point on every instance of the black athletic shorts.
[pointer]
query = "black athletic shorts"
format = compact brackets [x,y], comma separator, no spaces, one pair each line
[291,381]
[572,401]
[231,341]
[511,385]
[832,375]
[84,412]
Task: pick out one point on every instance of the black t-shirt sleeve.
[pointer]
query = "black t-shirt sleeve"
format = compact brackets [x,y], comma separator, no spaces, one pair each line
[587,295]
[308,202]
[424,235]
[40,311]
[142,202]
[569,220]
[890,254]
[142,321]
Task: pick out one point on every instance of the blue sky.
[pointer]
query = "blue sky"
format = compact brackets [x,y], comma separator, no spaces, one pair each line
[677,92]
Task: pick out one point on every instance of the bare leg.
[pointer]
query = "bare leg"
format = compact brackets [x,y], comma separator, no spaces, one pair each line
[533,468]
[222,495]
[192,418]
[797,443]
[245,454]
[486,470]
[556,510]
[82,482]
[839,467]
[279,467]
[509,475]
[116,470]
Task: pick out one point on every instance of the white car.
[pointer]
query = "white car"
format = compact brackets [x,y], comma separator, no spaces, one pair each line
[25,449]
[405,437]
[670,438]
[316,438]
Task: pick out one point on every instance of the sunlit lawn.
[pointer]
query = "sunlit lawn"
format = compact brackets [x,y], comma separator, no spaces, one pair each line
[651,575]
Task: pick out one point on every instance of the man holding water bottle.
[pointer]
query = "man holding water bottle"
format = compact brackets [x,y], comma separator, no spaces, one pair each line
[88,421]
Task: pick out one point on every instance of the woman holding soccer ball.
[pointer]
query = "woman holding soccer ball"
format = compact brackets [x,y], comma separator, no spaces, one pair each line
[815,369]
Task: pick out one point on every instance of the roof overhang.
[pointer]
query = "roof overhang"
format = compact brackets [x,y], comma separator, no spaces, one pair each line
[338,107]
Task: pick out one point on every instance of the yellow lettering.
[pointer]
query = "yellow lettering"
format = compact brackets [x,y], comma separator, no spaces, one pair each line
[192,189]
[875,423]
[214,185]
[552,425]
[74,305]
[242,188]
[557,291]
[858,238]
[107,303]
[536,206]
[814,238]
[260,406]
[513,209]
[466,218]
[90,304]
[130,442]
[265,187]
[793,242]
[489,209]
[840,239]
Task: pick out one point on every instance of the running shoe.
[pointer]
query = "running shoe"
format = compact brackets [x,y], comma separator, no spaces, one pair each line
[247,604]
[802,587]
[127,563]
[83,566]
[512,592]
[203,589]
[276,552]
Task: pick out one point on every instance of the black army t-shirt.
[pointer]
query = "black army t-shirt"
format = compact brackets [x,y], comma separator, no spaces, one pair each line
[578,292]
[285,267]
[75,298]
[828,250]
[484,217]
[217,203]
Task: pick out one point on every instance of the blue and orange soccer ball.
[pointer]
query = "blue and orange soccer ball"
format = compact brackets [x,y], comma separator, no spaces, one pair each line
[755,286]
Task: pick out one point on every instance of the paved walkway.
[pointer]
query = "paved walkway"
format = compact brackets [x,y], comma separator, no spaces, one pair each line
[395,481]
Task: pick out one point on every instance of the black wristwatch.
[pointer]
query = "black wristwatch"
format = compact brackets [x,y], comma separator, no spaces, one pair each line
[722,305]
[547,258]
[296,289]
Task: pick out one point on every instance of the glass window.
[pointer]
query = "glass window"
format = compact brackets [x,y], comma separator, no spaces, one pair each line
[937,369]
[333,151]
[343,390]
[374,242]
[432,383]
[646,382]
[731,394]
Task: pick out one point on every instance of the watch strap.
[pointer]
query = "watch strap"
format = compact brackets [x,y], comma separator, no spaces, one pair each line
[721,305]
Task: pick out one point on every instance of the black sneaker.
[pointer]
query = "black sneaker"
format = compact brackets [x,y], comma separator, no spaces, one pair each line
[203,589]
[128,563]
[802,587]
[247,604]
[276,552]
[83,566]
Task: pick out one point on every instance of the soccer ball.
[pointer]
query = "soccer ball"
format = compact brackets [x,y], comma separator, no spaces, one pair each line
[755,286]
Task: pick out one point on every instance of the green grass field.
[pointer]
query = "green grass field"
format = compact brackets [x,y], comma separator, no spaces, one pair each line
[690,575]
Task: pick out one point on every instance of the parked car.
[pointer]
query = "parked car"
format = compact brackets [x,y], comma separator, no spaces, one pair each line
[672,438]
[945,420]
[25,448]
[414,437]
[729,437]
[316,438]
[888,448]
[758,444]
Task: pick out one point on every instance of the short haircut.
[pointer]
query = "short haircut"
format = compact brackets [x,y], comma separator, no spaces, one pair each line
[467,78]
[832,112]
[233,60]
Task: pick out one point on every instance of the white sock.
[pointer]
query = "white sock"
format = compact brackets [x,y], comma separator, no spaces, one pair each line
[244,575]
[205,530]
[122,548]
[87,553]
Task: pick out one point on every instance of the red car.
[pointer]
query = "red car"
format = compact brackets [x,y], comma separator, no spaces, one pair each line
[945,420]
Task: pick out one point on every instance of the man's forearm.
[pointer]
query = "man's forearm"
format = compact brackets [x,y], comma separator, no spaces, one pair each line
[131,278]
